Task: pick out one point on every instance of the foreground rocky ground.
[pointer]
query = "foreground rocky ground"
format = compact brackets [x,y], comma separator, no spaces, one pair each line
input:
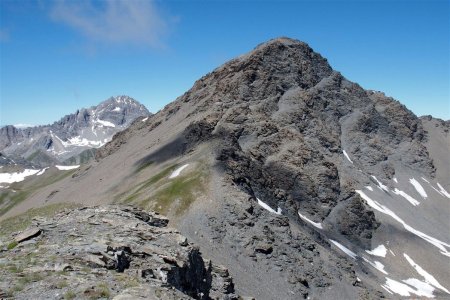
[116,252]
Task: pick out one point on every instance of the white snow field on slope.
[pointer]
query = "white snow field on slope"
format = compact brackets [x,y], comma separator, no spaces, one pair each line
[442,246]
[344,249]
[380,251]
[443,191]
[381,186]
[177,172]
[77,141]
[41,171]
[346,156]
[406,196]
[17,176]
[418,187]
[406,278]
[267,207]
[315,224]
[105,123]
[427,276]
[65,168]
[402,289]
[377,265]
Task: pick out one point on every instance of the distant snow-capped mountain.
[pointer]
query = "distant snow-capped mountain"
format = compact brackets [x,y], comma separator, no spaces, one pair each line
[73,137]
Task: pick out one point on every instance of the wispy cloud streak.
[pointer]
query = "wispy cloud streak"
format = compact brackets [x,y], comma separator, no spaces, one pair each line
[134,22]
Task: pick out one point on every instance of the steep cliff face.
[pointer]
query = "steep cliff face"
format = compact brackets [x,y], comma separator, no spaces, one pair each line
[87,128]
[298,180]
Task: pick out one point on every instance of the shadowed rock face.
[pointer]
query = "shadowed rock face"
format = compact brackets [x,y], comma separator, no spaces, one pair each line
[125,251]
[74,136]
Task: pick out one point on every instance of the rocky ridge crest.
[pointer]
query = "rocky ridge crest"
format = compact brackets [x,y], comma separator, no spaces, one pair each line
[111,252]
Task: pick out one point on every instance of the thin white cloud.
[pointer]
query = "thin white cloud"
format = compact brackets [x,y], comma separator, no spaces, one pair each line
[20,125]
[135,22]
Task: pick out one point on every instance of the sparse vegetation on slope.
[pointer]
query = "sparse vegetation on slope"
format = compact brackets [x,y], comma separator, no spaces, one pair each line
[163,194]
[18,192]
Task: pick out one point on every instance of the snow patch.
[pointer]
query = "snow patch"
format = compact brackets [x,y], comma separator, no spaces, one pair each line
[422,288]
[346,156]
[77,141]
[424,179]
[106,123]
[344,249]
[418,187]
[65,168]
[443,191]
[381,186]
[406,196]
[16,176]
[369,188]
[267,207]
[378,251]
[315,224]
[402,289]
[22,126]
[395,180]
[116,108]
[145,119]
[377,265]
[41,171]
[427,276]
[383,209]
[178,171]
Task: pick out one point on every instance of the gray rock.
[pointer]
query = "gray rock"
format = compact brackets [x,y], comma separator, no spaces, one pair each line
[27,234]
[93,266]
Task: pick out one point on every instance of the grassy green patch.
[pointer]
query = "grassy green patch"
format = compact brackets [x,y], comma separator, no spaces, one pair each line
[32,277]
[61,284]
[13,268]
[154,179]
[33,156]
[12,245]
[22,221]
[10,199]
[144,165]
[136,191]
[127,280]
[69,295]
[99,291]
[54,178]
[179,193]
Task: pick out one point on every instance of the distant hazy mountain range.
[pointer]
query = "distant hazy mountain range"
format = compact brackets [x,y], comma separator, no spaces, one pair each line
[71,139]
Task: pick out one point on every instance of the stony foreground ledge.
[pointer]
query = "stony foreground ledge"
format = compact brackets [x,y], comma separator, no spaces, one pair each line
[110,252]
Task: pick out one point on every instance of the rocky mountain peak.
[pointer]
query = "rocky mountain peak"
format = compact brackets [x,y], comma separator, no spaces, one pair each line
[287,62]
[87,128]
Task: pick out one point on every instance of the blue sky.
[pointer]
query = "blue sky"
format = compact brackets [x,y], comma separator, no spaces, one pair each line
[57,56]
